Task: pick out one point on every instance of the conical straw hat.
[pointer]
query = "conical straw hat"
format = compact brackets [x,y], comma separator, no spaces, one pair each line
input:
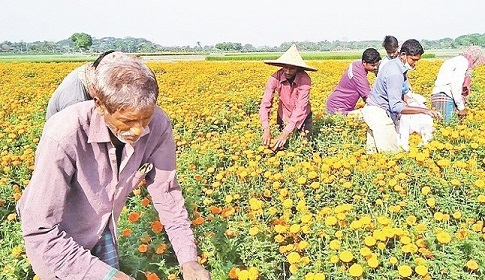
[290,57]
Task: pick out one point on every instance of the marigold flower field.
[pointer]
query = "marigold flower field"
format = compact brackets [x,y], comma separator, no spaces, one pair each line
[320,210]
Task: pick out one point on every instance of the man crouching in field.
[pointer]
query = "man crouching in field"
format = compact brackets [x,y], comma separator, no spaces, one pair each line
[89,159]
[293,86]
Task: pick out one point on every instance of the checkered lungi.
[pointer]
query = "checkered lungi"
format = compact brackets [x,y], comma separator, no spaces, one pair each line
[106,250]
[444,104]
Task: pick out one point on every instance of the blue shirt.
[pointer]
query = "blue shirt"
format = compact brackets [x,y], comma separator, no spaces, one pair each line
[387,90]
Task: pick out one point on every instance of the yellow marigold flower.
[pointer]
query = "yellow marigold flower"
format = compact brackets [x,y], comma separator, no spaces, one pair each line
[341,216]
[301,180]
[443,162]
[443,237]
[472,265]
[477,227]
[279,238]
[431,202]
[455,182]
[334,259]
[11,217]
[420,261]
[287,203]
[421,270]
[295,228]
[405,240]
[243,274]
[365,220]
[304,260]
[315,185]
[253,231]
[331,221]
[381,245]
[253,273]
[335,244]
[481,198]
[339,234]
[356,270]
[319,276]
[405,270]
[365,251]
[438,216]
[383,220]
[310,276]
[17,251]
[479,183]
[373,262]
[306,229]
[411,220]
[420,228]
[354,225]
[312,175]
[370,241]
[346,256]
[280,228]
[425,190]
[293,257]
[293,268]
[306,218]
[347,185]
[393,260]
[303,245]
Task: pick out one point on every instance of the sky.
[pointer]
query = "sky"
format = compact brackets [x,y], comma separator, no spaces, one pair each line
[255,22]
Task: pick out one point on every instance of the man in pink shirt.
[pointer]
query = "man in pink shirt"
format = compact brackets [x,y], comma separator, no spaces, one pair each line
[90,157]
[292,84]
[354,83]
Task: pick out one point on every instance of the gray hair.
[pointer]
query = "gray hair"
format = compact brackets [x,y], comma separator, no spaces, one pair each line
[125,82]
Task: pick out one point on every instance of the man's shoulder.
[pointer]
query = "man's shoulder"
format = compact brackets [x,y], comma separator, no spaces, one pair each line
[68,121]
[160,118]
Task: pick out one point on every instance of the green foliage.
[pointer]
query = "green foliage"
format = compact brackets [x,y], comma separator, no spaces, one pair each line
[82,40]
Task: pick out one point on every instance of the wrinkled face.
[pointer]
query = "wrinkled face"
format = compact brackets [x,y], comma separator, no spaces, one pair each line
[128,124]
[412,60]
[290,71]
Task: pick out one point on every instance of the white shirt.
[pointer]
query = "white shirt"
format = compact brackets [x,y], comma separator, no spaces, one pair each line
[450,79]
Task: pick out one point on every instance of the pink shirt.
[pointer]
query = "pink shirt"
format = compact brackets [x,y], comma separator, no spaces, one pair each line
[353,85]
[76,189]
[294,103]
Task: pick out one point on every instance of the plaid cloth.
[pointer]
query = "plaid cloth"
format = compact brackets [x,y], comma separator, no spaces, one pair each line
[106,250]
[444,104]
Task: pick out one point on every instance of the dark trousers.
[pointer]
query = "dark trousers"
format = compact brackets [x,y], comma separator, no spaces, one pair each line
[306,128]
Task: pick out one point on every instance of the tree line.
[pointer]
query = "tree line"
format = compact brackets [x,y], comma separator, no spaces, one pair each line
[82,42]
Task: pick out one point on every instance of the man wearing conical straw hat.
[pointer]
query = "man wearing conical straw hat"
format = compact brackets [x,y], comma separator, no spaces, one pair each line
[292,84]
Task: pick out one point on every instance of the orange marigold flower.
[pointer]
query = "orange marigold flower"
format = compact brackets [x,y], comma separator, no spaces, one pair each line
[143,248]
[126,232]
[198,221]
[228,212]
[133,217]
[161,249]
[145,202]
[215,209]
[234,272]
[151,276]
[157,227]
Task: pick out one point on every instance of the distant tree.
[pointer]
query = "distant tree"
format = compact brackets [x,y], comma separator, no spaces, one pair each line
[82,40]
[229,46]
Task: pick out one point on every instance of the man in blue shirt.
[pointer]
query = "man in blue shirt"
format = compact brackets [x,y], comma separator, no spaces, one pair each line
[385,102]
